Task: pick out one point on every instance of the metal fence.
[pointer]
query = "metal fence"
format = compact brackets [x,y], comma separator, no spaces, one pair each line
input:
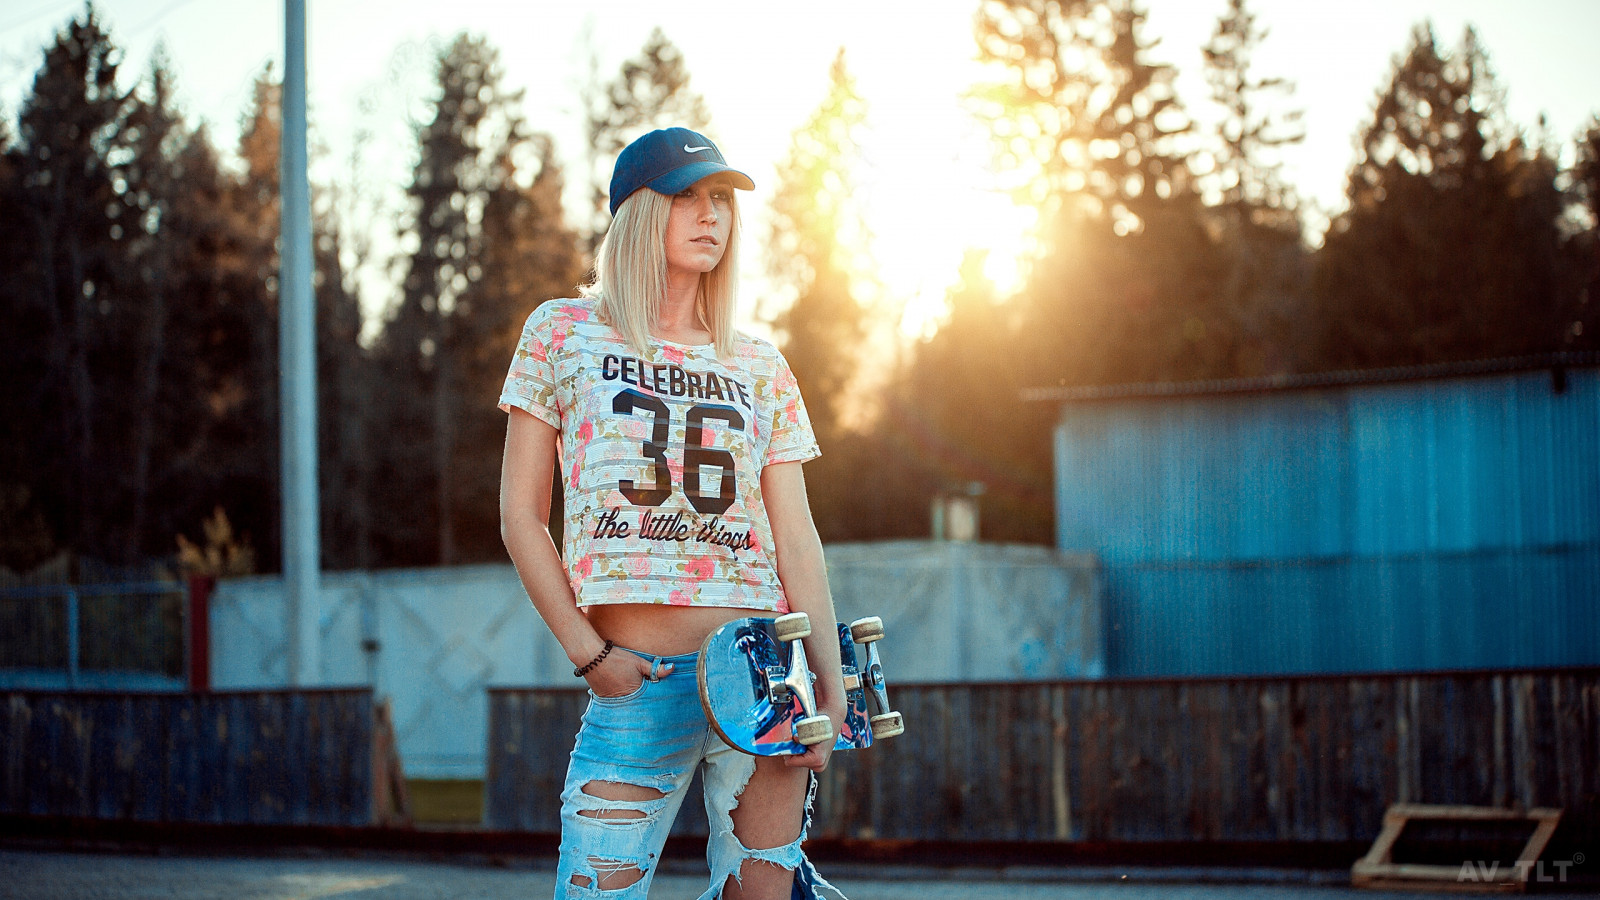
[93,636]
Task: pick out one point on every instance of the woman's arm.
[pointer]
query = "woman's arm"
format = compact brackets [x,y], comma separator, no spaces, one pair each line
[805,581]
[526,475]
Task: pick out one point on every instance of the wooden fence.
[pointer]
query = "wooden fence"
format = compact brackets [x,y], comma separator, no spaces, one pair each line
[317,757]
[1311,759]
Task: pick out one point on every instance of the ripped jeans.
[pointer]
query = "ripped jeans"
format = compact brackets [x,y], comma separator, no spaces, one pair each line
[655,739]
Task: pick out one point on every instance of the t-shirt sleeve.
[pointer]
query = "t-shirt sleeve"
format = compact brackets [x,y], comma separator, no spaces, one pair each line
[792,437]
[531,383]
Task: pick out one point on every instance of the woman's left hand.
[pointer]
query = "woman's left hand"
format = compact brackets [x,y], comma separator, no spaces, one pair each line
[817,755]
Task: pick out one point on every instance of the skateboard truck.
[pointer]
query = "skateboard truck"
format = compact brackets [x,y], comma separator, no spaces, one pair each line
[761,699]
[797,681]
[887,723]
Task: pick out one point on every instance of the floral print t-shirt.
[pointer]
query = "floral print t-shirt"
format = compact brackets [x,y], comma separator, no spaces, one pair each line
[661,458]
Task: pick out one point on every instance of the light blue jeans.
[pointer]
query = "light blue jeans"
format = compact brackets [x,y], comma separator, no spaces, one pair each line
[656,738]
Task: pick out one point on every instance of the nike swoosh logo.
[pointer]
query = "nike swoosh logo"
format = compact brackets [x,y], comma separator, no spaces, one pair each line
[689,149]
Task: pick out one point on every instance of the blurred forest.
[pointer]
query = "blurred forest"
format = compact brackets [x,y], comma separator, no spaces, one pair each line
[138,265]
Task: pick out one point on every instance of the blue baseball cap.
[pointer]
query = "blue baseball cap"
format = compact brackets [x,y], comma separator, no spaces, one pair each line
[667,161]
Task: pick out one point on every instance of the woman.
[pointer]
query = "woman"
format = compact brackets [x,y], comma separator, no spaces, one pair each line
[679,444]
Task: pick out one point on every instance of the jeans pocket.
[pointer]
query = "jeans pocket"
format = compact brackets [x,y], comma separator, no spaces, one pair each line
[614,701]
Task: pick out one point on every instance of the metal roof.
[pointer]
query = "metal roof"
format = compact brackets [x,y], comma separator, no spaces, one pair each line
[1075,393]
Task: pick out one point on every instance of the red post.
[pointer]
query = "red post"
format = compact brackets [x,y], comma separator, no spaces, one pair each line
[200,587]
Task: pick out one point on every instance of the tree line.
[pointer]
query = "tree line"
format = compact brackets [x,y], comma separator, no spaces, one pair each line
[1166,252]
[138,265]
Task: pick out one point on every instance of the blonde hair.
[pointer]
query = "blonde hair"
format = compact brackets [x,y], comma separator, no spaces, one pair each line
[630,275]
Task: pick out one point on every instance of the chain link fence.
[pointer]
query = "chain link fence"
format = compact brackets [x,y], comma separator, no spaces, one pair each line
[88,636]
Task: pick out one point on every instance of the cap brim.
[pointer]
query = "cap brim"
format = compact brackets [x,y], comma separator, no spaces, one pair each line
[681,178]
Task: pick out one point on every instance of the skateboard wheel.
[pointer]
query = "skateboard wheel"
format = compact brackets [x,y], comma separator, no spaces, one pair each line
[813,730]
[887,726]
[792,627]
[865,631]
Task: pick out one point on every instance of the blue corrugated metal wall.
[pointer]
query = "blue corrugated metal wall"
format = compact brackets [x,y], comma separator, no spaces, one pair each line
[1450,523]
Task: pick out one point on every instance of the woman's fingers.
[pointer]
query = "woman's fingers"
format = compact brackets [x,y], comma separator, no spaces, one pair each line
[619,678]
[815,758]
[611,680]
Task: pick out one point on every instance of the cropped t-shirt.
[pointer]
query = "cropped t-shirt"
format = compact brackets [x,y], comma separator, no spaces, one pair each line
[661,458]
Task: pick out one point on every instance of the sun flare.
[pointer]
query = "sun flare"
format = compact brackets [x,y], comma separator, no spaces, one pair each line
[930,195]
[921,240]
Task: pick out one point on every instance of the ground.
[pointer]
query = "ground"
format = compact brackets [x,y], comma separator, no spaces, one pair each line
[34,873]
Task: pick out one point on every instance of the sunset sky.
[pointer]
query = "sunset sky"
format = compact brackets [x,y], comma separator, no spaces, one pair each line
[763,68]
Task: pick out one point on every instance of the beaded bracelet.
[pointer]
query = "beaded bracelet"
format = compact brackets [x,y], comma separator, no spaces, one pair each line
[584,670]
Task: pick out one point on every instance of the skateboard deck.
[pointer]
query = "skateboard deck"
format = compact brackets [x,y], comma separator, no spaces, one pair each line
[756,688]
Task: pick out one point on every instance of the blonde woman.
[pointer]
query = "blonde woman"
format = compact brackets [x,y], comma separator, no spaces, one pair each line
[679,445]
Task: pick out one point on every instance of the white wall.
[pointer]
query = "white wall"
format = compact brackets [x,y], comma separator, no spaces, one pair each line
[432,640]
[960,612]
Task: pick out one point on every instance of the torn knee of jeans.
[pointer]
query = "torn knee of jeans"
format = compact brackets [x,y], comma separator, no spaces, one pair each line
[620,801]
[789,856]
[609,875]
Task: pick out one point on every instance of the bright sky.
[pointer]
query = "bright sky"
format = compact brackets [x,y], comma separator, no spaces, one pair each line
[763,69]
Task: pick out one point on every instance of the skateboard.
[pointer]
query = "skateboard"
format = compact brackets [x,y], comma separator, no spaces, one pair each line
[756,687]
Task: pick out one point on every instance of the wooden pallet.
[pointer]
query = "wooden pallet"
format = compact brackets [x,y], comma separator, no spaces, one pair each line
[1378,870]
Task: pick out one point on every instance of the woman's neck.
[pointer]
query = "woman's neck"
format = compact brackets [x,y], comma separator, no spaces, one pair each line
[678,319]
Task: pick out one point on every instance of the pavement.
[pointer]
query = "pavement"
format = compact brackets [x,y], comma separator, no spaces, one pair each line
[57,875]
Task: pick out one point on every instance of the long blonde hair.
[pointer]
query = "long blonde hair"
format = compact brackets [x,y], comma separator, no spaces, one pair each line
[630,275]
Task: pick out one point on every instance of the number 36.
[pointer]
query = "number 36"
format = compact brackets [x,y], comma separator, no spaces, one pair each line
[696,456]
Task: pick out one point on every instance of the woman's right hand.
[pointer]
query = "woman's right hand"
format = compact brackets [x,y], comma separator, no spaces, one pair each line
[620,674]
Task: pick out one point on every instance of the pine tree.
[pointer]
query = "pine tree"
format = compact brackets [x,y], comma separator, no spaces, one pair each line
[971,432]
[815,250]
[1586,171]
[650,91]
[1254,209]
[1449,249]
[56,330]
[125,386]
[171,304]
[346,384]
[1124,281]
[1579,319]
[483,186]
[1248,173]
[1082,118]
[530,256]
[168,175]
[26,539]
[816,256]
[246,356]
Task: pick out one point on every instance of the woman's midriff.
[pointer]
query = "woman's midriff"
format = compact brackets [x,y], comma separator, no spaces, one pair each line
[661,630]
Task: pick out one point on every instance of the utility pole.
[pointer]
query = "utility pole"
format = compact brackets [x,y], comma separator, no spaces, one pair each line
[297,365]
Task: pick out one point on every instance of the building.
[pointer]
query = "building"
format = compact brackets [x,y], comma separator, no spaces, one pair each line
[1438,518]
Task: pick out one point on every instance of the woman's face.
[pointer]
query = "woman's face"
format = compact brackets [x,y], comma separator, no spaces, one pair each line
[699,226]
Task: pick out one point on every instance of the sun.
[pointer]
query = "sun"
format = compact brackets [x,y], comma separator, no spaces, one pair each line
[923,183]
[924,214]
[929,194]
[921,240]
